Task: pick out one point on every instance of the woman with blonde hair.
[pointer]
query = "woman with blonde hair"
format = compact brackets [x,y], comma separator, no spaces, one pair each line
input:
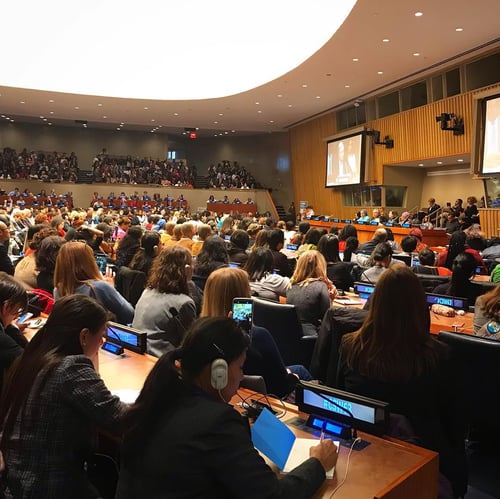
[263,357]
[76,272]
[165,310]
[311,291]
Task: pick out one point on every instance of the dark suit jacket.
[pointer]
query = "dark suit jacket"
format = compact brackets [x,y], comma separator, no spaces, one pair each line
[202,449]
[12,345]
[5,261]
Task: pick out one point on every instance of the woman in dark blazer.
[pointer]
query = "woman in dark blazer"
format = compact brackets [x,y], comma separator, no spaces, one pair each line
[182,437]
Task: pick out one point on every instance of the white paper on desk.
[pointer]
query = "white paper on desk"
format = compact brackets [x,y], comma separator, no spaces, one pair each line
[346,301]
[300,452]
[127,396]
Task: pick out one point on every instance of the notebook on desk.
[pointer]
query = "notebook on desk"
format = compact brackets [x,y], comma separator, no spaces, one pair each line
[278,443]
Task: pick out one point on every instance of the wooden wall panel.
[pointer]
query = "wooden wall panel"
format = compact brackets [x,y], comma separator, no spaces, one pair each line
[416,136]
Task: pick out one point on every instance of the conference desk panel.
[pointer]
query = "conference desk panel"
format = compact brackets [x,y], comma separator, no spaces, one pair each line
[365,232]
[385,469]
[232,208]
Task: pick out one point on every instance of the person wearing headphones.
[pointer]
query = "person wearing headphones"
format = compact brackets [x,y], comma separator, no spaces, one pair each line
[182,437]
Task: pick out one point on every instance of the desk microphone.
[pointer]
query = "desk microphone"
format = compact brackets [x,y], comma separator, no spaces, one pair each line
[117,349]
[347,411]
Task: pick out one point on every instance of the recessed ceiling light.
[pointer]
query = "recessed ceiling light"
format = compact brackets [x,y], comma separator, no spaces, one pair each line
[233,131]
[380,72]
[77,107]
[12,121]
[225,133]
[419,14]
[51,112]
[99,105]
[386,40]
[42,117]
[221,114]
[271,121]
[257,103]
[104,117]
[439,162]
[153,121]
[355,59]
[49,123]
[304,85]
[420,164]
[259,111]
[118,128]
[318,97]
[459,29]
[215,135]
[45,119]
[347,86]
[22,102]
[460,160]
[176,114]
[416,54]
[51,100]
[216,122]
[146,108]
[279,96]
[290,105]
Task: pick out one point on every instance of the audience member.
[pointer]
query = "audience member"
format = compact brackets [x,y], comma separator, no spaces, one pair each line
[264,283]
[487,315]
[237,248]
[53,402]
[311,291]
[165,309]
[76,271]
[13,303]
[45,260]
[128,246]
[337,271]
[276,244]
[347,231]
[263,357]
[145,255]
[463,269]
[382,260]
[379,236]
[394,358]
[5,262]
[175,416]
[427,264]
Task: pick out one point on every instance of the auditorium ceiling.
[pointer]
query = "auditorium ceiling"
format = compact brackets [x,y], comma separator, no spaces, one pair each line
[382,44]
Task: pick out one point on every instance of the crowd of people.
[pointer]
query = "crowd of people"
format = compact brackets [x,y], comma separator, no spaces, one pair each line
[176,275]
[126,170]
[38,165]
[225,175]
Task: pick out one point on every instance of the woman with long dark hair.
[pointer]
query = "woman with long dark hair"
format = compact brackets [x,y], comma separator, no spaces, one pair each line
[213,255]
[145,255]
[52,403]
[337,271]
[181,434]
[462,271]
[394,358]
[263,282]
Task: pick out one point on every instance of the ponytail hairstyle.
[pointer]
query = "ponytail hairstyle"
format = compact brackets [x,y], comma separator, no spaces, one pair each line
[172,378]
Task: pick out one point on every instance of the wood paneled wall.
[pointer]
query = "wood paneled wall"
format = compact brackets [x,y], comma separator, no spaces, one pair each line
[416,136]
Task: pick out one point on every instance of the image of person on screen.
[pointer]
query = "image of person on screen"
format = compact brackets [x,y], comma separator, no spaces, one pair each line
[342,163]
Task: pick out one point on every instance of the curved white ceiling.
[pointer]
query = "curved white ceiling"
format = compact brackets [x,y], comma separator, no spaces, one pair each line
[167,50]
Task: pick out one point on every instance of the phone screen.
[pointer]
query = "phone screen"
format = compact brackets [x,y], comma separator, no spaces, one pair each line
[24,317]
[242,313]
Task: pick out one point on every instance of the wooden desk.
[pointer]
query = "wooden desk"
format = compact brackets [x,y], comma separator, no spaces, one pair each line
[365,232]
[463,323]
[385,469]
[232,208]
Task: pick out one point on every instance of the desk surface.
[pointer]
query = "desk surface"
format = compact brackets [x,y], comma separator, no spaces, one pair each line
[386,469]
